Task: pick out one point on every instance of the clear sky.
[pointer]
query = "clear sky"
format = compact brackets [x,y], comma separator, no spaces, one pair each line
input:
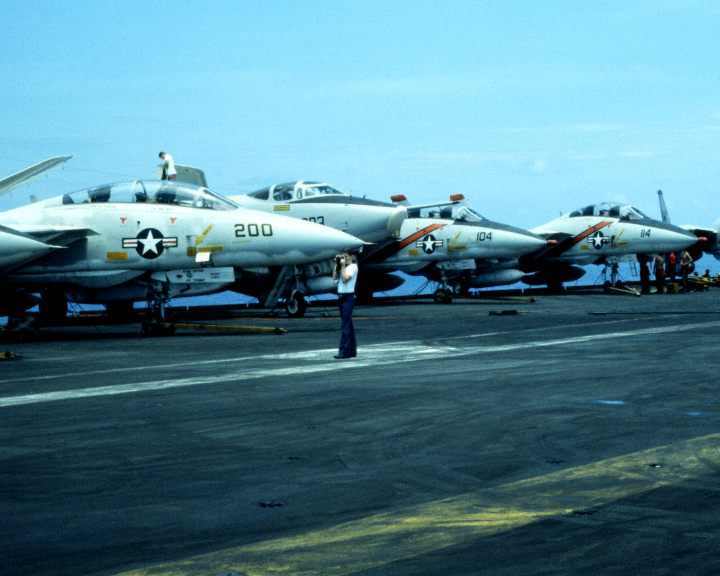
[528,108]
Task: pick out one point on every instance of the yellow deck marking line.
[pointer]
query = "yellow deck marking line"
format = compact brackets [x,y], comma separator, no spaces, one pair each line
[409,532]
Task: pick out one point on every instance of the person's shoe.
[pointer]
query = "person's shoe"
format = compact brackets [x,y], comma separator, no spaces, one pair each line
[338,357]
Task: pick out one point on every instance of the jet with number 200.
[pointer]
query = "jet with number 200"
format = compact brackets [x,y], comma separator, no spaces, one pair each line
[118,243]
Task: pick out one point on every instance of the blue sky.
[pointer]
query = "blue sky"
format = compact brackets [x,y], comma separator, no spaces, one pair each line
[529,109]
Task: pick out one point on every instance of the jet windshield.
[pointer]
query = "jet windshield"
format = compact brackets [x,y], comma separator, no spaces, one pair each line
[298,190]
[459,213]
[151,192]
[622,211]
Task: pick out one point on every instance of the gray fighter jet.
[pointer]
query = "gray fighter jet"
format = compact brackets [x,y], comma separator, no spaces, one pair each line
[118,243]
[371,220]
[599,234]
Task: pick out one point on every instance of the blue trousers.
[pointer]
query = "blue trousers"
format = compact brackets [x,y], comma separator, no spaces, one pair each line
[348,346]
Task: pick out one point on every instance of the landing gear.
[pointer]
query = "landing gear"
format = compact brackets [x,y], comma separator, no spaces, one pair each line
[444,293]
[296,305]
[443,296]
[157,299]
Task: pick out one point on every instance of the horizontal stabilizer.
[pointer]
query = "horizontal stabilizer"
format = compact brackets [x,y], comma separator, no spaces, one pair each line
[10,182]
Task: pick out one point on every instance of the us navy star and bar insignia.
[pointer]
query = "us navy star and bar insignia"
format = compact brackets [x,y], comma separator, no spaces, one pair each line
[429,243]
[150,243]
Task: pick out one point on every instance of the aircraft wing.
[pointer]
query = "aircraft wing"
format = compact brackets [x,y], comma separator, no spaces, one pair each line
[61,236]
[8,183]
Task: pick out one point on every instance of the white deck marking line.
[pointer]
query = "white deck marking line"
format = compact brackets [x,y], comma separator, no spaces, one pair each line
[369,357]
[289,355]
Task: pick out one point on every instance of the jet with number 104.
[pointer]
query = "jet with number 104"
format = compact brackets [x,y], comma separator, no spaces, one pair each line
[145,240]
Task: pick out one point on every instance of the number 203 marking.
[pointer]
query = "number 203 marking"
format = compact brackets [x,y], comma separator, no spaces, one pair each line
[253,230]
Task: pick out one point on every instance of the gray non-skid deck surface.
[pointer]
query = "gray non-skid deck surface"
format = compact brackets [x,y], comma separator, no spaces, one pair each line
[456,443]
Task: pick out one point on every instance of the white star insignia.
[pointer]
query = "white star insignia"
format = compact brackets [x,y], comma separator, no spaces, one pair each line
[150,243]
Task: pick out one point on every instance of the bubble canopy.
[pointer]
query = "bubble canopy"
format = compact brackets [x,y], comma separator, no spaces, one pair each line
[295,191]
[622,211]
[151,192]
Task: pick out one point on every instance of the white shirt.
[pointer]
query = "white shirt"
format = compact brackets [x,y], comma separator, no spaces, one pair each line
[169,165]
[349,286]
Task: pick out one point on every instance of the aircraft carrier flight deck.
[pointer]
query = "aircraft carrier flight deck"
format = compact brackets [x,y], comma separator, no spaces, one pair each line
[501,436]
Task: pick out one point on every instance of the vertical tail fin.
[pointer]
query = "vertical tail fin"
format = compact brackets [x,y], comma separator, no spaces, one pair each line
[664,214]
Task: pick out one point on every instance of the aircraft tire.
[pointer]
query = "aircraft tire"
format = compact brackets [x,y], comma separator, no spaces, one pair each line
[296,304]
[443,296]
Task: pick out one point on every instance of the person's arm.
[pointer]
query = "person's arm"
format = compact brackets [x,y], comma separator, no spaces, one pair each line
[347,274]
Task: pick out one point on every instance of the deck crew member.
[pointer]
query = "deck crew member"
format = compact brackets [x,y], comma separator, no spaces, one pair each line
[686,266]
[346,273]
[660,273]
[168,166]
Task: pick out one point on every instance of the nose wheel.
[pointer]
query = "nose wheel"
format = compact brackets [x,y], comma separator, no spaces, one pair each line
[296,305]
[155,324]
[443,296]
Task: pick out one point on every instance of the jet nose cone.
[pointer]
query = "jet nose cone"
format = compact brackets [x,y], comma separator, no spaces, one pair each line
[320,242]
[675,238]
[517,240]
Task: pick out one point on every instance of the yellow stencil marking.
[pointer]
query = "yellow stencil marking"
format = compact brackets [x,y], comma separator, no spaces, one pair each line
[201,237]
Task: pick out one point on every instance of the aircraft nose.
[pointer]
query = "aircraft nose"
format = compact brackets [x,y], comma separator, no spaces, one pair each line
[321,242]
[675,238]
[519,241]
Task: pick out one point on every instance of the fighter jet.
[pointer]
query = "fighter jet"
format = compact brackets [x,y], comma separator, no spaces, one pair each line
[371,220]
[137,240]
[596,234]
[449,245]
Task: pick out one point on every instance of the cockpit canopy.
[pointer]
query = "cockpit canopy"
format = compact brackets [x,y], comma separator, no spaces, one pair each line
[151,192]
[295,191]
[612,210]
[460,213]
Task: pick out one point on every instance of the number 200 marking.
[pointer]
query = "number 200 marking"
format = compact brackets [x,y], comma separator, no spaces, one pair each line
[253,230]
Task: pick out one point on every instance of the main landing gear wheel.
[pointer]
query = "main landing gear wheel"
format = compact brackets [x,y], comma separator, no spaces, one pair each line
[296,304]
[156,328]
[443,296]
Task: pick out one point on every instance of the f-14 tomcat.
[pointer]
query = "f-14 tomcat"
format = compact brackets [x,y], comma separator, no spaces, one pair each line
[595,234]
[449,245]
[139,240]
[370,220]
